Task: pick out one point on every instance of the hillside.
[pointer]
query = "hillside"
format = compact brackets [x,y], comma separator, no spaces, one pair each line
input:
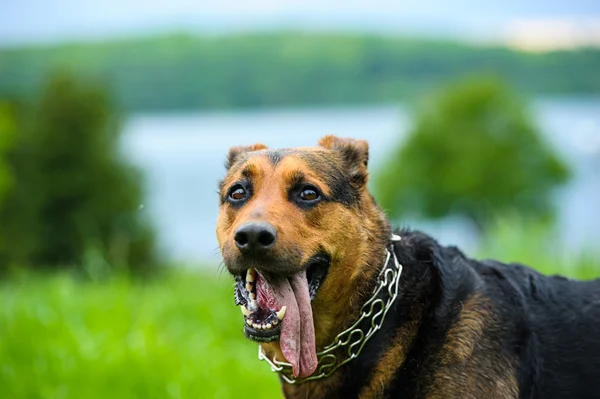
[289,69]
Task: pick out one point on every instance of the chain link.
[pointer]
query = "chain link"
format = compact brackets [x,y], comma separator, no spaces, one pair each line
[354,338]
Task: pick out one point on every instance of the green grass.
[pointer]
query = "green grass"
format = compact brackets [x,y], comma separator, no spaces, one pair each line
[178,337]
[540,247]
[172,337]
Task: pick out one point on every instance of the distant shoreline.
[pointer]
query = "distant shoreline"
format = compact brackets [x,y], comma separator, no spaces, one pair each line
[265,70]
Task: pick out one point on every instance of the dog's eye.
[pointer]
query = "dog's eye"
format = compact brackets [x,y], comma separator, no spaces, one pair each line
[237,193]
[309,194]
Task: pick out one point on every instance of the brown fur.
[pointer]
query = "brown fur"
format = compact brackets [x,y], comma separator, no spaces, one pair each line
[390,362]
[314,389]
[350,234]
[471,364]
[355,236]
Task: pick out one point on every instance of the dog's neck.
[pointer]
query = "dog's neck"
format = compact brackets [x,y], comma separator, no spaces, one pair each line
[419,314]
[355,275]
[366,255]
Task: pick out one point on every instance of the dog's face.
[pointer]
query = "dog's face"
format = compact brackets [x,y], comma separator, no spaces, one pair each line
[290,228]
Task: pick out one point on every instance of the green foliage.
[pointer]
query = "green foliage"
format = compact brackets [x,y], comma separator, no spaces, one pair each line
[7,133]
[76,202]
[177,337]
[284,69]
[473,152]
[516,239]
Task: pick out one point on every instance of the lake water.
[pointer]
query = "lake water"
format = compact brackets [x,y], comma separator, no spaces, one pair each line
[183,154]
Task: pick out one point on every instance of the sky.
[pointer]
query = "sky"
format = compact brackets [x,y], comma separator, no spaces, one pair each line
[35,21]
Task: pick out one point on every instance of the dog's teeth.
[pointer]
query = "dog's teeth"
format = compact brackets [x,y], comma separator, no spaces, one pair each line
[249,322]
[275,322]
[281,313]
[249,287]
[252,295]
[250,275]
[245,311]
[257,326]
[253,306]
[268,326]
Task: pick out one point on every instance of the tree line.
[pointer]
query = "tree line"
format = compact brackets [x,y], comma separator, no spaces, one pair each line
[289,69]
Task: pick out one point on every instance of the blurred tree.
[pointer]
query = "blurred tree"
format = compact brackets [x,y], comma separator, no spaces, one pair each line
[76,202]
[7,132]
[474,152]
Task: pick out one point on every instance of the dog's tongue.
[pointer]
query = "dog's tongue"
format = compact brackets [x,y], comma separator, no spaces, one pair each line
[297,338]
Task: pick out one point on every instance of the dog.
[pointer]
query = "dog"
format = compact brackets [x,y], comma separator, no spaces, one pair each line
[342,307]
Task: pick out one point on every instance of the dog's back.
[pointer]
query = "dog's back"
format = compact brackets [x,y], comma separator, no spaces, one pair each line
[556,327]
[489,329]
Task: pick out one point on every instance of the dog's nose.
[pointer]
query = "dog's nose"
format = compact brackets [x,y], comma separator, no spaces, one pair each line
[255,237]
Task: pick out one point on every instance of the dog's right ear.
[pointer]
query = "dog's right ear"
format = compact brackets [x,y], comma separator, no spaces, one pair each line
[236,152]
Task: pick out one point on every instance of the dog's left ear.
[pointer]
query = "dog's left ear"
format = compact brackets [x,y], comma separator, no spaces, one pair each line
[355,154]
[235,152]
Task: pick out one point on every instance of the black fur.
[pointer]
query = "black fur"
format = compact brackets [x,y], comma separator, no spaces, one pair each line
[548,326]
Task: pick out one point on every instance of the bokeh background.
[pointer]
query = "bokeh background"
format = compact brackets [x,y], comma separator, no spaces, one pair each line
[115,118]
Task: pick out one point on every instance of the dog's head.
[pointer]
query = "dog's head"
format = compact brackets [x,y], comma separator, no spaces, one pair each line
[297,228]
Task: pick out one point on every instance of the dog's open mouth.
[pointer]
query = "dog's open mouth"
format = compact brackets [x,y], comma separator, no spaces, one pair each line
[277,307]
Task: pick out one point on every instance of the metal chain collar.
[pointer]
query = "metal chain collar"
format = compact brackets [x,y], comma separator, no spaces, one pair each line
[354,337]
